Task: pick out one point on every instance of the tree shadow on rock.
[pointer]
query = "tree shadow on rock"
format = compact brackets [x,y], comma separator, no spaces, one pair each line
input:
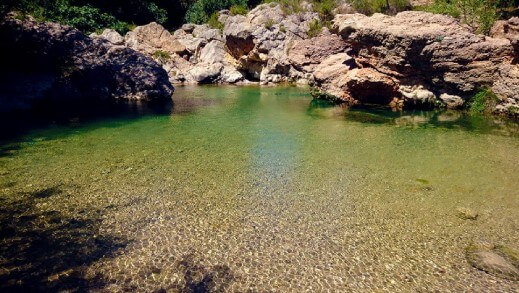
[48,250]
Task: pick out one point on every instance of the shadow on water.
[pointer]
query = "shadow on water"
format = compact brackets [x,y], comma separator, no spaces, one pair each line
[378,115]
[70,117]
[48,250]
[19,123]
[200,279]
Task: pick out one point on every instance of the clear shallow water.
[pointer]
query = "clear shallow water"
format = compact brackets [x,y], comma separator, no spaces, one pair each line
[258,189]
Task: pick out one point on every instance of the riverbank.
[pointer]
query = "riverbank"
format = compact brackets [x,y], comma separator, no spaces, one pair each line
[413,59]
[410,60]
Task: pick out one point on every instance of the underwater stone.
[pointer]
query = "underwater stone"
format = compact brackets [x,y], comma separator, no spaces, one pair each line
[466,214]
[487,258]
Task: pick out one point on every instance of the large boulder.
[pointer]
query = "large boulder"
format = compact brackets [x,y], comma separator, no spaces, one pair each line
[434,51]
[425,48]
[151,38]
[71,66]
[329,77]
[111,36]
[369,86]
[306,54]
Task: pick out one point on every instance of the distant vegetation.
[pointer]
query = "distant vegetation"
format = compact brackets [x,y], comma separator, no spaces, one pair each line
[201,10]
[94,15]
[480,15]
[122,15]
[369,7]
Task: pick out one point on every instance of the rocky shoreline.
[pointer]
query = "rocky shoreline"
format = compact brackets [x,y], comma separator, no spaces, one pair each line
[413,59]
[50,62]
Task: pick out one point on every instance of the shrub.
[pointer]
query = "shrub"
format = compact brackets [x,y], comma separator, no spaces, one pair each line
[238,10]
[325,9]
[315,27]
[288,6]
[480,15]
[85,18]
[214,22]
[269,24]
[161,55]
[160,15]
[202,10]
[483,102]
[369,7]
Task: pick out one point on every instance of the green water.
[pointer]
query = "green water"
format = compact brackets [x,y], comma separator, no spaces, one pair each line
[258,189]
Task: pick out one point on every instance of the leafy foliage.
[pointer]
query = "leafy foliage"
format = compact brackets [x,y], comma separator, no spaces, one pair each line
[480,15]
[315,28]
[202,10]
[93,15]
[269,24]
[214,22]
[483,102]
[369,7]
[161,55]
[238,10]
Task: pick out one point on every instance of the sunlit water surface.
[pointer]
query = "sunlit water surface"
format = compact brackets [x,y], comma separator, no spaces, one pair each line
[258,189]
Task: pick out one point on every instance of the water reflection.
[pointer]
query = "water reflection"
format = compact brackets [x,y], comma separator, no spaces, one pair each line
[414,118]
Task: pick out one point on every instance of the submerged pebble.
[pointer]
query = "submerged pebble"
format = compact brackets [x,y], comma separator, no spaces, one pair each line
[466,213]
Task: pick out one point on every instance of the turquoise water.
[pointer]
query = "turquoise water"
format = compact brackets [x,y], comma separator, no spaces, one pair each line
[257,189]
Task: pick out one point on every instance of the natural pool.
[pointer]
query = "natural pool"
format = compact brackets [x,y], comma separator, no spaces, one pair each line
[258,189]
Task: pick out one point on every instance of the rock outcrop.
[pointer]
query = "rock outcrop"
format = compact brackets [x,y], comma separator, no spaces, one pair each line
[250,48]
[69,66]
[432,56]
[414,59]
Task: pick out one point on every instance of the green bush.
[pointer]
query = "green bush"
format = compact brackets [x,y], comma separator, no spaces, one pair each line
[85,18]
[480,15]
[88,19]
[315,28]
[369,7]
[202,10]
[288,6]
[214,22]
[238,10]
[160,15]
[483,102]
[269,24]
[161,55]
[325,9]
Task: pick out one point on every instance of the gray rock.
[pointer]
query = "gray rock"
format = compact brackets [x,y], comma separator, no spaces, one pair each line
[466,213]
[417,96]
[231,75]
[188,27]
[451,101]
[213,52]
[206,73]
[112,36]
[153,37]
[487,258]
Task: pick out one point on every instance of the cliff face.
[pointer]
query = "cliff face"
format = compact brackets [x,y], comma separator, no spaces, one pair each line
[51,61]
